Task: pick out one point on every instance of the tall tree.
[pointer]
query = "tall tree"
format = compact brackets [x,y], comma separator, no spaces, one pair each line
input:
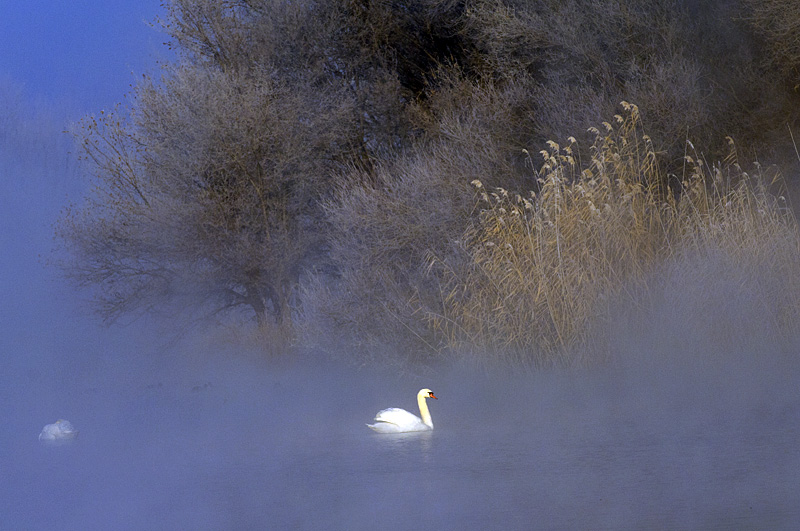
[208,185]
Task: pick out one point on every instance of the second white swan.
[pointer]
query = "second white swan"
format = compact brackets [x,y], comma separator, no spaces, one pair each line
[396,420]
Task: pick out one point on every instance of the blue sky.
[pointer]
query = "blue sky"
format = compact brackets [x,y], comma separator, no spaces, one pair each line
[81,54]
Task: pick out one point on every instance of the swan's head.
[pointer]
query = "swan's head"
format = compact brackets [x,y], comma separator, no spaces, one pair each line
[426,393]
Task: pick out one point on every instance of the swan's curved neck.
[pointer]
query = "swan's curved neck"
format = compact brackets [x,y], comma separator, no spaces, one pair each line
[423,410]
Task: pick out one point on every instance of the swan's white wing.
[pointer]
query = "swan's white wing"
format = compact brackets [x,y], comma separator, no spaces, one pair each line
[396,420]
[398,416]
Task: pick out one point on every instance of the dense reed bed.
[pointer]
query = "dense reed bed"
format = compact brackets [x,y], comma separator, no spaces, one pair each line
[548,269]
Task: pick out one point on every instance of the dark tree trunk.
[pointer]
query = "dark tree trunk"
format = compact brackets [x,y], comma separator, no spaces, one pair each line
[256,301]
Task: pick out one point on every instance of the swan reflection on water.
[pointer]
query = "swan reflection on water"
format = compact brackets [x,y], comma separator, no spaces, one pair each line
[407,444]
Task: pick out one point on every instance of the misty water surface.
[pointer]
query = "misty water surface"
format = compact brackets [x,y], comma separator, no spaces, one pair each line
[203,439]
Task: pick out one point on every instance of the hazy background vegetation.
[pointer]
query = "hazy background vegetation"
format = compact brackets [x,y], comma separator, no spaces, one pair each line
[499,180]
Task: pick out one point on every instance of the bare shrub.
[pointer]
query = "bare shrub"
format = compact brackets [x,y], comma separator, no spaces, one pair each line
[778,23]
[208,190]
[584,57]
[484,125]
[691,67]
[382,232]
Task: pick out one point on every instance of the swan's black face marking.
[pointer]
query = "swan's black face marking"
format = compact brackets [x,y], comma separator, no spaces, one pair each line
[431,395]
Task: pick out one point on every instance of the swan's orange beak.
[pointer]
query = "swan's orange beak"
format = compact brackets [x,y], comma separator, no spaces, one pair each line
[431,395]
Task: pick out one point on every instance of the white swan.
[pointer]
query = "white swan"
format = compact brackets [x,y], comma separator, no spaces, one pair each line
[396,420]
[58,431]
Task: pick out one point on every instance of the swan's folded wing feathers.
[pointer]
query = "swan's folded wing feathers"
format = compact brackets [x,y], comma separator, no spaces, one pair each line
[395,415]
[385,427]
[396,420]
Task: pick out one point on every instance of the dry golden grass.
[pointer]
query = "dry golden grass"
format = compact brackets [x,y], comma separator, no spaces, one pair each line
[548,267]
